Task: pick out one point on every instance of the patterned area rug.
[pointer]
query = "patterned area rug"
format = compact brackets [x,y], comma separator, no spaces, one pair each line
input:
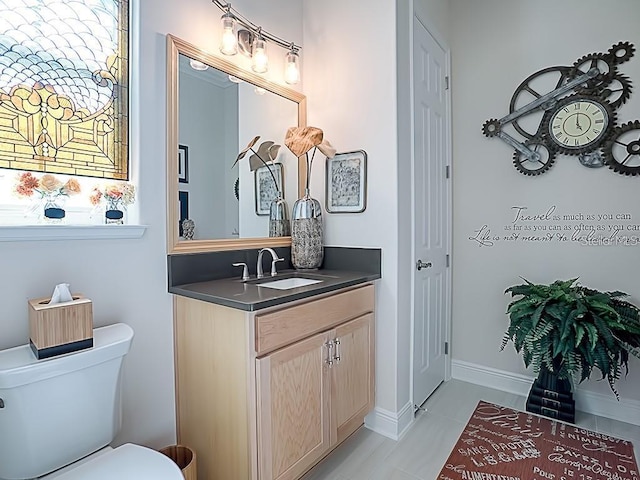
[499,443]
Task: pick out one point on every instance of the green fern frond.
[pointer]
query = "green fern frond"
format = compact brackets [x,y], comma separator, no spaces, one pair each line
[592,332]
[617,294]
[579,331]
[604,333]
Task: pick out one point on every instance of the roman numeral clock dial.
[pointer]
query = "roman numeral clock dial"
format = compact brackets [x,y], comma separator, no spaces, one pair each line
[578,125]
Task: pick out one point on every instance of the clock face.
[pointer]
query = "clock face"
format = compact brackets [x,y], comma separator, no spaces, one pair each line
[579,124]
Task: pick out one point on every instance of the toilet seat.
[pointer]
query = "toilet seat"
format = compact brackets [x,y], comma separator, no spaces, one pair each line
[127,462]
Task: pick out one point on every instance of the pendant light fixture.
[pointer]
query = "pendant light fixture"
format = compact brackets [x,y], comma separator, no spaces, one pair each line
[292,67]
[239,33]
[229,41]
[259,57]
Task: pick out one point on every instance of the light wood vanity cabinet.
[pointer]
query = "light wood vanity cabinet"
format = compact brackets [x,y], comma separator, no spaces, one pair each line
[266,395]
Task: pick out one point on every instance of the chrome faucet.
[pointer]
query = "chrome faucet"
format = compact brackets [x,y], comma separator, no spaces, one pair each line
[274,260]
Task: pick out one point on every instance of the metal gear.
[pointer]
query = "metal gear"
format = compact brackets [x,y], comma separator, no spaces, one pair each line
[532,168]
[602,62]
[592,160]
[618,91]
[611,114]
[491,128]
[555,77]
[622,150]
[621,52]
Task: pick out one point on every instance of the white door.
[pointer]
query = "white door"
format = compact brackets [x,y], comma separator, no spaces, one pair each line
[431,213]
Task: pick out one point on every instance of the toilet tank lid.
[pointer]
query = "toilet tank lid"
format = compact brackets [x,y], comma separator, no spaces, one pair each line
[127,462]
[19,366]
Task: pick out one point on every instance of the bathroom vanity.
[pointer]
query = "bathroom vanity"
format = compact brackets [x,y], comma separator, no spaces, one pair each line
[266,394]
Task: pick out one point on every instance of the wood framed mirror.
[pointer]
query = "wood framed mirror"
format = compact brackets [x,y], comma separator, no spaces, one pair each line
[214,108]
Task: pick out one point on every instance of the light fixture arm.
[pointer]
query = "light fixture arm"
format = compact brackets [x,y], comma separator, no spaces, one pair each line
[255,29]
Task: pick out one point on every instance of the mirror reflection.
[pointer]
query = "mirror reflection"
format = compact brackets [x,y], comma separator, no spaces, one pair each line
[218,114]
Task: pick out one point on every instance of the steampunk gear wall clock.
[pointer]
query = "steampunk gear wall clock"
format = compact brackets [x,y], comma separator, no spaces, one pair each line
[576,116]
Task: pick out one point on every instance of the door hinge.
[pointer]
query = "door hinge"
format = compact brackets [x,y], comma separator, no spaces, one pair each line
[448,259]
[446,348]
[447,171]
[446,82]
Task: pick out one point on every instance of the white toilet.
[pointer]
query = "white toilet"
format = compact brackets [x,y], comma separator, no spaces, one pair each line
[64,412]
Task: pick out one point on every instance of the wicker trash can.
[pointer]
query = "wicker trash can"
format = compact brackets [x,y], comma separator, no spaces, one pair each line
[185,458]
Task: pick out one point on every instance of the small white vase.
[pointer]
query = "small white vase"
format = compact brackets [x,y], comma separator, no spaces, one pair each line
[53,207]
[114,212]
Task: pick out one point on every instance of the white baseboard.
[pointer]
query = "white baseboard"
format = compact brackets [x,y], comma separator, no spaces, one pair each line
[625,410]
[390,424]
[491,377]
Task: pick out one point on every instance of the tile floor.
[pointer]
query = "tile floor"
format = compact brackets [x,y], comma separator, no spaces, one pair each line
[420,454]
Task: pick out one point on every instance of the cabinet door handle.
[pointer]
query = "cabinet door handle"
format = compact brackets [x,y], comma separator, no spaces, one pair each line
[336,356]
[329,360]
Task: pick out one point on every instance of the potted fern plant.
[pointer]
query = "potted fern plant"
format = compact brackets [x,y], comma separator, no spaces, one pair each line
[565,331]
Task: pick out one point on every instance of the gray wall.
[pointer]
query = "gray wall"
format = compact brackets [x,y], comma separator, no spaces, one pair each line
[269,116]
[350,81]
[496,44]
[208,131]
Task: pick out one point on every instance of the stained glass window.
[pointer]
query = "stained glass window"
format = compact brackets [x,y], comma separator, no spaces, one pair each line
[64,86]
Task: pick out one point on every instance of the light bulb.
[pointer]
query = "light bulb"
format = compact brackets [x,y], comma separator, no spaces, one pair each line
[292,68]
[229,42]
[259,55]
[197,65]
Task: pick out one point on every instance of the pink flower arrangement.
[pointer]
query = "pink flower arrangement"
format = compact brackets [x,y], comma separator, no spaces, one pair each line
[46,186]
[115,194]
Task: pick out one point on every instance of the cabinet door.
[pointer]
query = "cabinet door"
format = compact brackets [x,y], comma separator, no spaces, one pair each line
[293,408]
[352,389]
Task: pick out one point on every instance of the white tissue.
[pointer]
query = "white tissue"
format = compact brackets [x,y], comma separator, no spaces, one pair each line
[61,294]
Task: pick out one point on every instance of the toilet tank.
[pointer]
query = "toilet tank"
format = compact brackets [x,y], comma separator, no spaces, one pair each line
[56,411]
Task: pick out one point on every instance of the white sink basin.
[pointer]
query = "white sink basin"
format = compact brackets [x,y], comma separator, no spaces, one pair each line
[287,283]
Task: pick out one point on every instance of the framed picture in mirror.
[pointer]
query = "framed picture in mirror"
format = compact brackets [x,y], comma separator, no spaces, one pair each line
[183,202]
[268,182]
[183,164]
[346,182]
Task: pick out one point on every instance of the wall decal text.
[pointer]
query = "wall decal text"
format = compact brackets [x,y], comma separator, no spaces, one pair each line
[551,225]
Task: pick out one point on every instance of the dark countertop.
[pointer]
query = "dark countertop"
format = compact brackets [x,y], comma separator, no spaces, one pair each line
[250,296]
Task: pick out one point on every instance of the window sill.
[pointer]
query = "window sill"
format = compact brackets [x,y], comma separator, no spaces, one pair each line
[23,233]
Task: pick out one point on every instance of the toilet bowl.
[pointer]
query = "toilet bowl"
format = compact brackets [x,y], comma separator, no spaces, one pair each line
[58,416]
[127,462]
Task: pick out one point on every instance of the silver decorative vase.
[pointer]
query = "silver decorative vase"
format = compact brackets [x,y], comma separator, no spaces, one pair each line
[307,249]
[279,225]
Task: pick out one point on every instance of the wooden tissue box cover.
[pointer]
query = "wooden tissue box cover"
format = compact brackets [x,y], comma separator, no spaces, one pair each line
[60,328]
